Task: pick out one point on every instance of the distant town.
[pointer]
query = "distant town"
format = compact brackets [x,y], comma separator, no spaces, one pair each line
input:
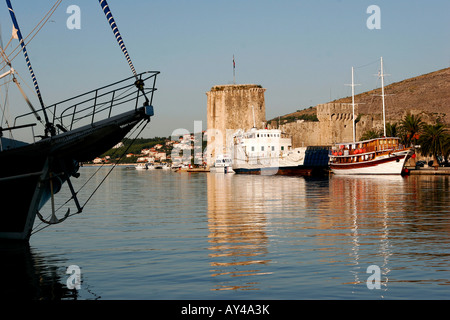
[155,150]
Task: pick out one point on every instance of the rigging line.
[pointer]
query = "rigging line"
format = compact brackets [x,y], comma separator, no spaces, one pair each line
[115,165]
[100,167]
[5,105]
[92,176]
[368,64]
[115,29]
[104,179]
[27,58]
[49,14]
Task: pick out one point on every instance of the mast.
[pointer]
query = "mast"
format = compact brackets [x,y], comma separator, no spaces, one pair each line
[254,121]
[353,104]
[382,97]
[49,128]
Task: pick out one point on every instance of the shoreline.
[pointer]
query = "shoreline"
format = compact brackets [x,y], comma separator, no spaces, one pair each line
[429,171]
[411,170]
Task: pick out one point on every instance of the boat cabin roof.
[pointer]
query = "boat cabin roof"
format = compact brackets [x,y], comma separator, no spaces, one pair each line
[366,141]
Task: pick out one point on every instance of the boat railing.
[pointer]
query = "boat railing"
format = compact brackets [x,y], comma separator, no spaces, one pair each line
[99,104]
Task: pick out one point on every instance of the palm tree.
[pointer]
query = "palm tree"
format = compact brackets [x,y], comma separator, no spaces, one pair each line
[370,134]
[433,141]
[446,151]
[392,130]
[412,126]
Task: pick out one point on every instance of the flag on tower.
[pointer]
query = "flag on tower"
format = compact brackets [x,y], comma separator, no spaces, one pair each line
[234,70]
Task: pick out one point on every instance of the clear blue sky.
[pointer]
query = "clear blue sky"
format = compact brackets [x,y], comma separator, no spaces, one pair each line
[300,51]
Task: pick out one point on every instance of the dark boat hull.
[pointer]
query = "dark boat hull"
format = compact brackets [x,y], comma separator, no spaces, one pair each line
[25,172]
[284,171]
[315,163]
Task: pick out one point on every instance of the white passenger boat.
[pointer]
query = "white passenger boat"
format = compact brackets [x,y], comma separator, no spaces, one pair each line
[270,152]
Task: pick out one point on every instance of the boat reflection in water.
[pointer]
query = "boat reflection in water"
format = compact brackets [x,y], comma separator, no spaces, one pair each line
[27,275]
[238,222]
[371,206]
[321,233]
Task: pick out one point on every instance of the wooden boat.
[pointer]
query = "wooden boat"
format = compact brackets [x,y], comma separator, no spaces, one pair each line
[377,156]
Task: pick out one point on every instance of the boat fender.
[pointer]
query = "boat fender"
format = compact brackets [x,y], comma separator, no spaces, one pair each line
[149,111]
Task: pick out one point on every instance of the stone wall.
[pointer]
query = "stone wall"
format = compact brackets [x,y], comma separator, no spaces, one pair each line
[334,125]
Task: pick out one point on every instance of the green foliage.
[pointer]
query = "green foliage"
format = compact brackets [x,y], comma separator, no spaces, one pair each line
[392,130]
[434,141]
[136,147]
[370,134]
[411,127]
[305,117]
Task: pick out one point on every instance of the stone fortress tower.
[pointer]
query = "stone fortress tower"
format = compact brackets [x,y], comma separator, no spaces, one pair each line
[229,108]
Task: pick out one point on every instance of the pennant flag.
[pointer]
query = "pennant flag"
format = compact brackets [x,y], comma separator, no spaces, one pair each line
[14,33]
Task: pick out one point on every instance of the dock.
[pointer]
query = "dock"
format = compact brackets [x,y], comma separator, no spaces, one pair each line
[429,171]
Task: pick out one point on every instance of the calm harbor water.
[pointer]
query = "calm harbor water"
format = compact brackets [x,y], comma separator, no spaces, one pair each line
[164,235]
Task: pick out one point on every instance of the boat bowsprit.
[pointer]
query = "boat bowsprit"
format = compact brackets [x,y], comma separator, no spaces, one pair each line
[61,137]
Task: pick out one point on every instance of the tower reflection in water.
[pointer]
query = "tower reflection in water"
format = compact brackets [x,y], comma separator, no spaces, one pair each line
[241,209]
[237,235]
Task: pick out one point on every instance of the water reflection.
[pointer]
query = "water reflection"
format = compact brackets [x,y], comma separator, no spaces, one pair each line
[243,213]
[340,226]
[237,236]
[367,203]
[263,237]
[395,223]
[27,275]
